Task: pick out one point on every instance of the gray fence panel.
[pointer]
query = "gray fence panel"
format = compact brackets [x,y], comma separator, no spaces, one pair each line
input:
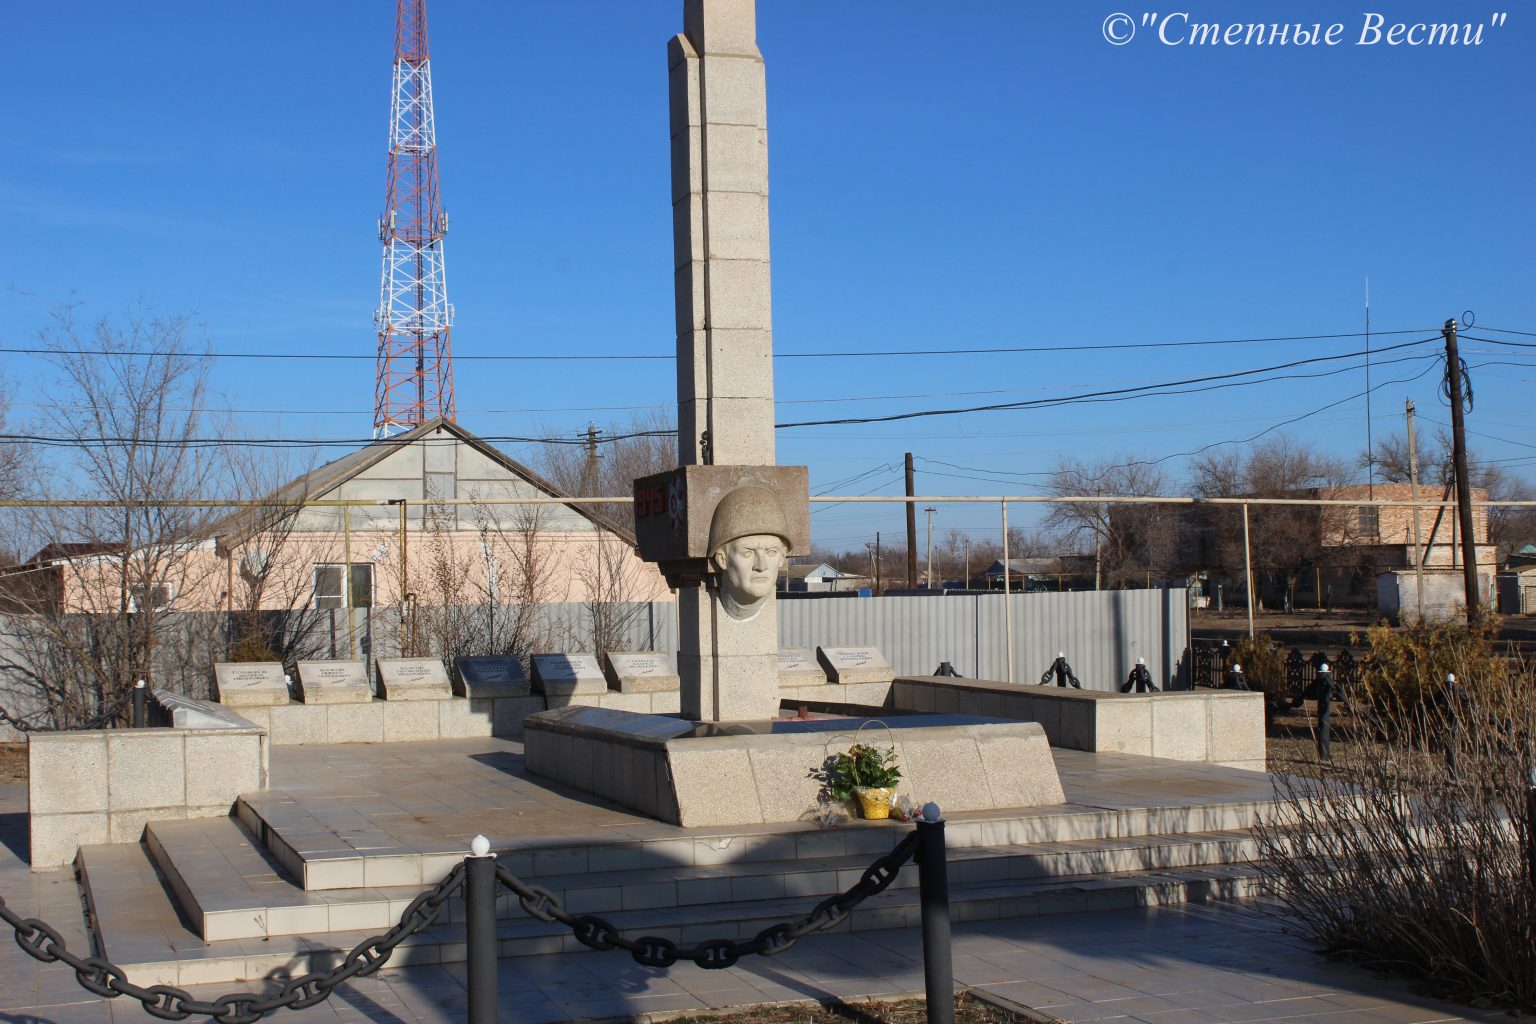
[1101,632]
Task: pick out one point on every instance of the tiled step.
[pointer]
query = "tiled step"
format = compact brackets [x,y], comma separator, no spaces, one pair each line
[322,858]
[235,960]
[230,889]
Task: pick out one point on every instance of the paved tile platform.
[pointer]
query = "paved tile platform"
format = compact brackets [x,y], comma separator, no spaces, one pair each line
[1166,965]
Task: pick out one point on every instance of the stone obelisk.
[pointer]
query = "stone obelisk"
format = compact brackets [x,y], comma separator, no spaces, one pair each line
[728,669]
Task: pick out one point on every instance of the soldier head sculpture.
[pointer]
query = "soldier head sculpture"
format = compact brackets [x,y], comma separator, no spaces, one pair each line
[748,543]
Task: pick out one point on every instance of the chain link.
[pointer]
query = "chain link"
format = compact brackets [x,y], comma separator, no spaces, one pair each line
[167,1002]
[713,954]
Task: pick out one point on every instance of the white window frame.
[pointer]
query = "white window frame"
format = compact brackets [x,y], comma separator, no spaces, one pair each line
[136,593]
[348,585]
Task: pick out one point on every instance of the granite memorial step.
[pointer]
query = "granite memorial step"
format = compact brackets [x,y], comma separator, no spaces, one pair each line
[229,888]
[138,928]
[323,855]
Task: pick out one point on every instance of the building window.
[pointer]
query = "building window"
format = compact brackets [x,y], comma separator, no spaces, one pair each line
[151,597]
[1368,520]
[328,590]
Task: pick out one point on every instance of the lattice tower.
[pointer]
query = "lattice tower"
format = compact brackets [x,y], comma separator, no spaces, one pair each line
[415,367]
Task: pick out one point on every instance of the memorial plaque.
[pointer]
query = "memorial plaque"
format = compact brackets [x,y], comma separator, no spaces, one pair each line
[190,713]
[640,671]
[334,682]
[799,667]
[855,664]
[490,676]
[249,684]
[568,673]
[413,679]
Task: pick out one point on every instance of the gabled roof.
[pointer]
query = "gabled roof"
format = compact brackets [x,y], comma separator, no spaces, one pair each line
[241,524]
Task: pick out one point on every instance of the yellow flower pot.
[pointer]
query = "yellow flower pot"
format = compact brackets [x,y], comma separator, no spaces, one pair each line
[875,802]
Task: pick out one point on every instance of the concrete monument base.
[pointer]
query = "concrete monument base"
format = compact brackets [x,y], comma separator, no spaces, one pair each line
[693,774]
[1224,727]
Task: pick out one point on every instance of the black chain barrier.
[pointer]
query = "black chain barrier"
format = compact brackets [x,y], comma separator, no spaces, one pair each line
[713,954]
[102,718]
[169,1002]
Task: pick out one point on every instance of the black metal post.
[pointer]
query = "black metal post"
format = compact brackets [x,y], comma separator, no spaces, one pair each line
[1530,824]
[933,895]
[480,931]
[140,689]
[1324,713]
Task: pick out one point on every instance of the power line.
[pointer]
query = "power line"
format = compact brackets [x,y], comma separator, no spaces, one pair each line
[1214,382]
[1115,394]
[1197,451]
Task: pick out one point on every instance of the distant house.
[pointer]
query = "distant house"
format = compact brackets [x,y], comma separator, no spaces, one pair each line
[820,578]
[418,518]
[1055,572]
[1517,583]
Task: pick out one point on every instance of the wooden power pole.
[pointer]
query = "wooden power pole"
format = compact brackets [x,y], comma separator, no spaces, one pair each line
[1463,481]
[911,528]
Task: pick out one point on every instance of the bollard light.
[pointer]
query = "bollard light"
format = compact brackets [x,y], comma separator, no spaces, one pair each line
[479,846]
[931,812]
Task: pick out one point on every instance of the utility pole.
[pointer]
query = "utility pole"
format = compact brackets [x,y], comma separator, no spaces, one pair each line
[1463,481]
[1413,482]
[930,510]
[877,563]
[967,563]
[911,528]
[589,468]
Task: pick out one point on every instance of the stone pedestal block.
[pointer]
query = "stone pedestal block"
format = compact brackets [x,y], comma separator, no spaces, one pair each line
[251,683]
[413,679]
[855,665]
[798,667]
[560,675]
[334,682]
[640,671]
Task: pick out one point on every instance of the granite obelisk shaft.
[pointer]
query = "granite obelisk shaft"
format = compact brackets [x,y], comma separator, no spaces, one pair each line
[728,670]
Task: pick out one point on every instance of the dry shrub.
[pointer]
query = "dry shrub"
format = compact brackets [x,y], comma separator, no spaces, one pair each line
[1405,668]
[1263,667]
[1414,852]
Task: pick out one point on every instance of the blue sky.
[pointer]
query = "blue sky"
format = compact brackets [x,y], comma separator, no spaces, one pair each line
[943,177]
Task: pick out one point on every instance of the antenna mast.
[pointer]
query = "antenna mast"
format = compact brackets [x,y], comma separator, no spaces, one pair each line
[1370,452]
[414,382]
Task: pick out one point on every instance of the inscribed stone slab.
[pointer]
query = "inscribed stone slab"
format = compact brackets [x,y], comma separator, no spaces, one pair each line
[855,664]
[798,667]
[251,683]
[333,682]
[565,674]
[413,679]
[191,713]
[490,676]
[640,671]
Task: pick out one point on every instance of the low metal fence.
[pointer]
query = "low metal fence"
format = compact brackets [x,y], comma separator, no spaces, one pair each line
[478,878]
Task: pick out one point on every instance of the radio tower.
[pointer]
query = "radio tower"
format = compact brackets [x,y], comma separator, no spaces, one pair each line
[415,368]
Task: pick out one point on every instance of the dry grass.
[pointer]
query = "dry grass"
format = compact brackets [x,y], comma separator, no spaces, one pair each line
[13,762]
[968,1010]
[1398,859]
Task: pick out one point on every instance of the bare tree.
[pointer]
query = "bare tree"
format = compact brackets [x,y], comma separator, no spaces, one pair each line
[1285,541]
[611,580]
[126,421]
[606,462]
[1126,540]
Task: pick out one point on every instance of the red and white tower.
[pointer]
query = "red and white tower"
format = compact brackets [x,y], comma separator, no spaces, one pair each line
[415,368]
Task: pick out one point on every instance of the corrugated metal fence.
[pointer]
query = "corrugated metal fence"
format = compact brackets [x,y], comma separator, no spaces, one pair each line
[1101,632]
